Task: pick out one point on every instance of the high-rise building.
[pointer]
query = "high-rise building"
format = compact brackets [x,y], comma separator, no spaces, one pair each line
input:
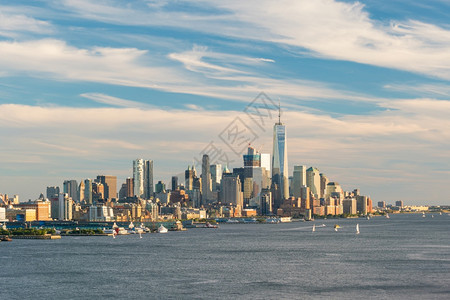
[130,187]
[399,203]
[71,188]
[265,208]
[189,178]
[280,163]
[299,180]
[349,206]
[148,179]
[206,179]
[265,161]
[382,204]
[231,192]
[313,181]
[143,178]
[88,191]
[216,176]
[81,191]
[52,192]
[323,185]
[174,183]
[65,204]
[110,186]
[160,187]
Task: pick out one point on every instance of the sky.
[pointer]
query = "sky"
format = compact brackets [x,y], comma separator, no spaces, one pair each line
[86,87]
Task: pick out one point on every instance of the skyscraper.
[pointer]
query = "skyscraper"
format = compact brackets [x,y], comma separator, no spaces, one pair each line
[88,191]
[143,178]
[189,178]
[52,192]
[216,176]
[313,181]
[110,185]
[174,183]
[280,162]
[299,180]
[71,188]
[206,179]
[148,179]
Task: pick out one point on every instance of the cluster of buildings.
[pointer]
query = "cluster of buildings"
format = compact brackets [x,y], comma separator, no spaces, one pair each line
[261,186]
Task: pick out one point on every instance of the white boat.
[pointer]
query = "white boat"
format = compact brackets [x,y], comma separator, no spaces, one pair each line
[121,231]
[357,228]
[336,227]
[387,216]
[423,215]
[440,213]
[162,229]
[368,218]
[314,228]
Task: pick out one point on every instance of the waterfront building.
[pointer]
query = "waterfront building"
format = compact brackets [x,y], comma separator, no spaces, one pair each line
[333,189]
[70,187]
[313,181]
[206,180]
[382,204]
[231,193]
[299,180]
[41,209]
[101,213]
[399,204]
[280,163]
[266,202]
[88,191]
[52,191]
[110,186]
[349,206]
[3,214]
[65,207]
[361,204]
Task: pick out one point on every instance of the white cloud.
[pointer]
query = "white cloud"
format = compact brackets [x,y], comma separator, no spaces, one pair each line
[13,25]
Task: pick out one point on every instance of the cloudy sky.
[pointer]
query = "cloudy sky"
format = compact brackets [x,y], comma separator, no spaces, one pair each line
[88,86]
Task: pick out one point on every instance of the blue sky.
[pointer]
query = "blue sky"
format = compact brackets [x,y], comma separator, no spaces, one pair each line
[88,86]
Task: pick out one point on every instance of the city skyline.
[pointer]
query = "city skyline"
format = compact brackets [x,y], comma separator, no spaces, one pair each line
[86,88]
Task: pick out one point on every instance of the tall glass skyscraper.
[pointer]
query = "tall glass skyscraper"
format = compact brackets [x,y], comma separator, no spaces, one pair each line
[143,178]
[280,161]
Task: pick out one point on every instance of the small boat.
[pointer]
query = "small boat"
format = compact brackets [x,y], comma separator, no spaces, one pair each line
[357,228]
[336,227]
[432,216]
[423,215]
[368,218]
[209,225]
[387,216]
[314,228]
[440,213]
[121,231]
[6,239]
[162,229]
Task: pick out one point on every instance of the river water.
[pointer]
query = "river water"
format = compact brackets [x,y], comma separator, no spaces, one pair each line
[404,257]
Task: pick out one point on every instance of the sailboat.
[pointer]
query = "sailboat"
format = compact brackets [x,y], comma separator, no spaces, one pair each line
[314,228]
[162,229]
[336,227]
[357,228]
[440,213]
[423,215]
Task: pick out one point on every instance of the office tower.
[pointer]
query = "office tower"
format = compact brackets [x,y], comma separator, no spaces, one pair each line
[123,191]
[334,190]
[382,204]
[65,204]
[349,206]
[305,193]
[81,191]
[216,176]
[52,192]
[206,179]
[323,185]
[265,161]
[313,181]
[71,188]
[88,191]
[399,203]
[148,179]
[299,180]
[130,187]
[160,187]
[266,202]
[252,158]
[280,163]
[231,192]
[189,178]
[109,185]
[98,192]
[174,183]
[138,177]
[361,204]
